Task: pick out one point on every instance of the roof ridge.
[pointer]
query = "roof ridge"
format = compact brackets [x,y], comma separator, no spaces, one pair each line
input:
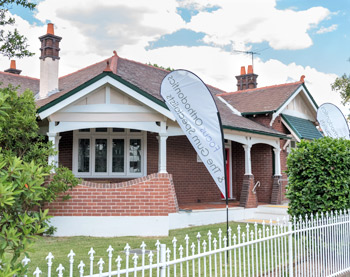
[254,89]
[69,74]
[145,64]
[17,75]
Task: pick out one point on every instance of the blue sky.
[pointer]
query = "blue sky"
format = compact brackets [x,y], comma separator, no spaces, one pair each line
[293,37]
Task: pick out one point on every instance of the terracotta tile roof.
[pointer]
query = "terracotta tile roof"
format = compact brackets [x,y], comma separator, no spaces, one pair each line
[24,82]
[71,81]
[145,77]
[265,99]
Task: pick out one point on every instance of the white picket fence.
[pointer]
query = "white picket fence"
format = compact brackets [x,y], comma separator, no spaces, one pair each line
[310,246]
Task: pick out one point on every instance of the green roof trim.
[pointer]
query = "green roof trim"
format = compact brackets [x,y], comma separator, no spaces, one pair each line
[95,79]
[303,128]
[252,113]
[255,132]
[309,94]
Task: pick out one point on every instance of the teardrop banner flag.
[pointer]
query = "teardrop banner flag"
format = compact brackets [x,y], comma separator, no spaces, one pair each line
[332,121]
[193,106]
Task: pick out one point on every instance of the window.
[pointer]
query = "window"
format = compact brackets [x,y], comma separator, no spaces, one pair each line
[109,152]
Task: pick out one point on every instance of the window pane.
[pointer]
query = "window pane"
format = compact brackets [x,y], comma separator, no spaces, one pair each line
[118,130]
[135,131]
[101,130]
[118,155]
[101,155]
[135,155]
[83,155]
[84,130]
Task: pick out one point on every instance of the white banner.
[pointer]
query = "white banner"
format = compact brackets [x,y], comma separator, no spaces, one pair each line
[332,121]
[188,98]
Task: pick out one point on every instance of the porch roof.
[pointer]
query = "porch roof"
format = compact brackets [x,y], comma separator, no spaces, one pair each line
[303,128]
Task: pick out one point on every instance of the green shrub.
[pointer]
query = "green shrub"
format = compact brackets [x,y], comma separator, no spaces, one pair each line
[24,175]
[319,176]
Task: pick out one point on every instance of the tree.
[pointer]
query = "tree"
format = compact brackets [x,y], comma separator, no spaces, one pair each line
[12,43]
[319,176]
[342,86]
[162,67]
[25,179]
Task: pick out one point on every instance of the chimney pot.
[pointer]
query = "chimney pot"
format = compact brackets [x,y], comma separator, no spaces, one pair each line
[302,78]
[246,81]
[50,29]
[250,69]
[13,69]
[13,64]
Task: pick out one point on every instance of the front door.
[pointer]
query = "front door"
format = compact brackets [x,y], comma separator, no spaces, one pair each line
[228,166]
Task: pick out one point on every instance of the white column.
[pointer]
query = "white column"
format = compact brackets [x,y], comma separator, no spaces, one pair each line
[247,160]
[162,148]
[277,161]
[54,138]
[162,153]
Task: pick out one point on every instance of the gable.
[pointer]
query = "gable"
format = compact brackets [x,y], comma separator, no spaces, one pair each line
[90,94]
[300,107]
[106,104]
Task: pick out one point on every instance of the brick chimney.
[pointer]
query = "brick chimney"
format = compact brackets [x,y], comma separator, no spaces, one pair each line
[13,69]
[49,60]
[246,80]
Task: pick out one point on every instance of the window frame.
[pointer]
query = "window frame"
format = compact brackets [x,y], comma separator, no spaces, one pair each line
[92,135]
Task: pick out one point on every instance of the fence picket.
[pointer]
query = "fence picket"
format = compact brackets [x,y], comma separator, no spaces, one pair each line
[316,245]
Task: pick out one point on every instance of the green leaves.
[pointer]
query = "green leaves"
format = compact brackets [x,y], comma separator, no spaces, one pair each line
[24,174]
[342,86]
[13,44]
[319,176]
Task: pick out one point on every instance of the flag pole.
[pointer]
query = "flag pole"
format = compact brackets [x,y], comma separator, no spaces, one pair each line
[225,171]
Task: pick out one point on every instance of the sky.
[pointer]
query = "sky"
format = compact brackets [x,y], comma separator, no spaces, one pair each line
[290,38]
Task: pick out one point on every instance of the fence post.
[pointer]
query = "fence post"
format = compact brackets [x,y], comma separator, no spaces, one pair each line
[163,260]
[290,248]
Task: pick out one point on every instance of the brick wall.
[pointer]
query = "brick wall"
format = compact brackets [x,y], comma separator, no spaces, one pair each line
[65,153]
[153,195]
[237,168]
[192,180]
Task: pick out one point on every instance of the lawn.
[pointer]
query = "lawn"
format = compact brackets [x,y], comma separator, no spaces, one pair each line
[61,246]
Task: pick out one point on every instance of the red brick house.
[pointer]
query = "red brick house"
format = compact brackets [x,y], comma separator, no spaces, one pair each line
[113,130]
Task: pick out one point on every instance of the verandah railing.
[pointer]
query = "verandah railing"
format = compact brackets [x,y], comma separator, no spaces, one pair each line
[311,246]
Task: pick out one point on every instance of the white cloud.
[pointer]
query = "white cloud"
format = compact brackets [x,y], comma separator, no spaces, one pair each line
[329,29]
[219,68]
[252,21]
[91,30]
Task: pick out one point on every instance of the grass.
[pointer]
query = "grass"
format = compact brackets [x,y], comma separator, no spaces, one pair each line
[61,246]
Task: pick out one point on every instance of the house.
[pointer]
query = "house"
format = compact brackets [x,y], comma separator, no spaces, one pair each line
[112,129]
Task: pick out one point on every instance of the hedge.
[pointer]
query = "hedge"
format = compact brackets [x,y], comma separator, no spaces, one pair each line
[319,176]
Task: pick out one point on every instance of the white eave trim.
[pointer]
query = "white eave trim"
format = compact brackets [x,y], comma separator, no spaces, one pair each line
[234,111]
[279,111]
[106,80]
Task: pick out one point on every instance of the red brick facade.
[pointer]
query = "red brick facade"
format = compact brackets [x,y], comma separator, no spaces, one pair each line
[153,195]
[192,182]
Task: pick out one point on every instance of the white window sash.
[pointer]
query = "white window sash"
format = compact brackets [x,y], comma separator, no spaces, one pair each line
[109,135]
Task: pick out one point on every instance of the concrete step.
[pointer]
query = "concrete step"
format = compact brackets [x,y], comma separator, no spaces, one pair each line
[267,213]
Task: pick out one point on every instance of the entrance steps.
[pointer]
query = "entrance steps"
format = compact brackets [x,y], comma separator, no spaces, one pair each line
[267,213]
